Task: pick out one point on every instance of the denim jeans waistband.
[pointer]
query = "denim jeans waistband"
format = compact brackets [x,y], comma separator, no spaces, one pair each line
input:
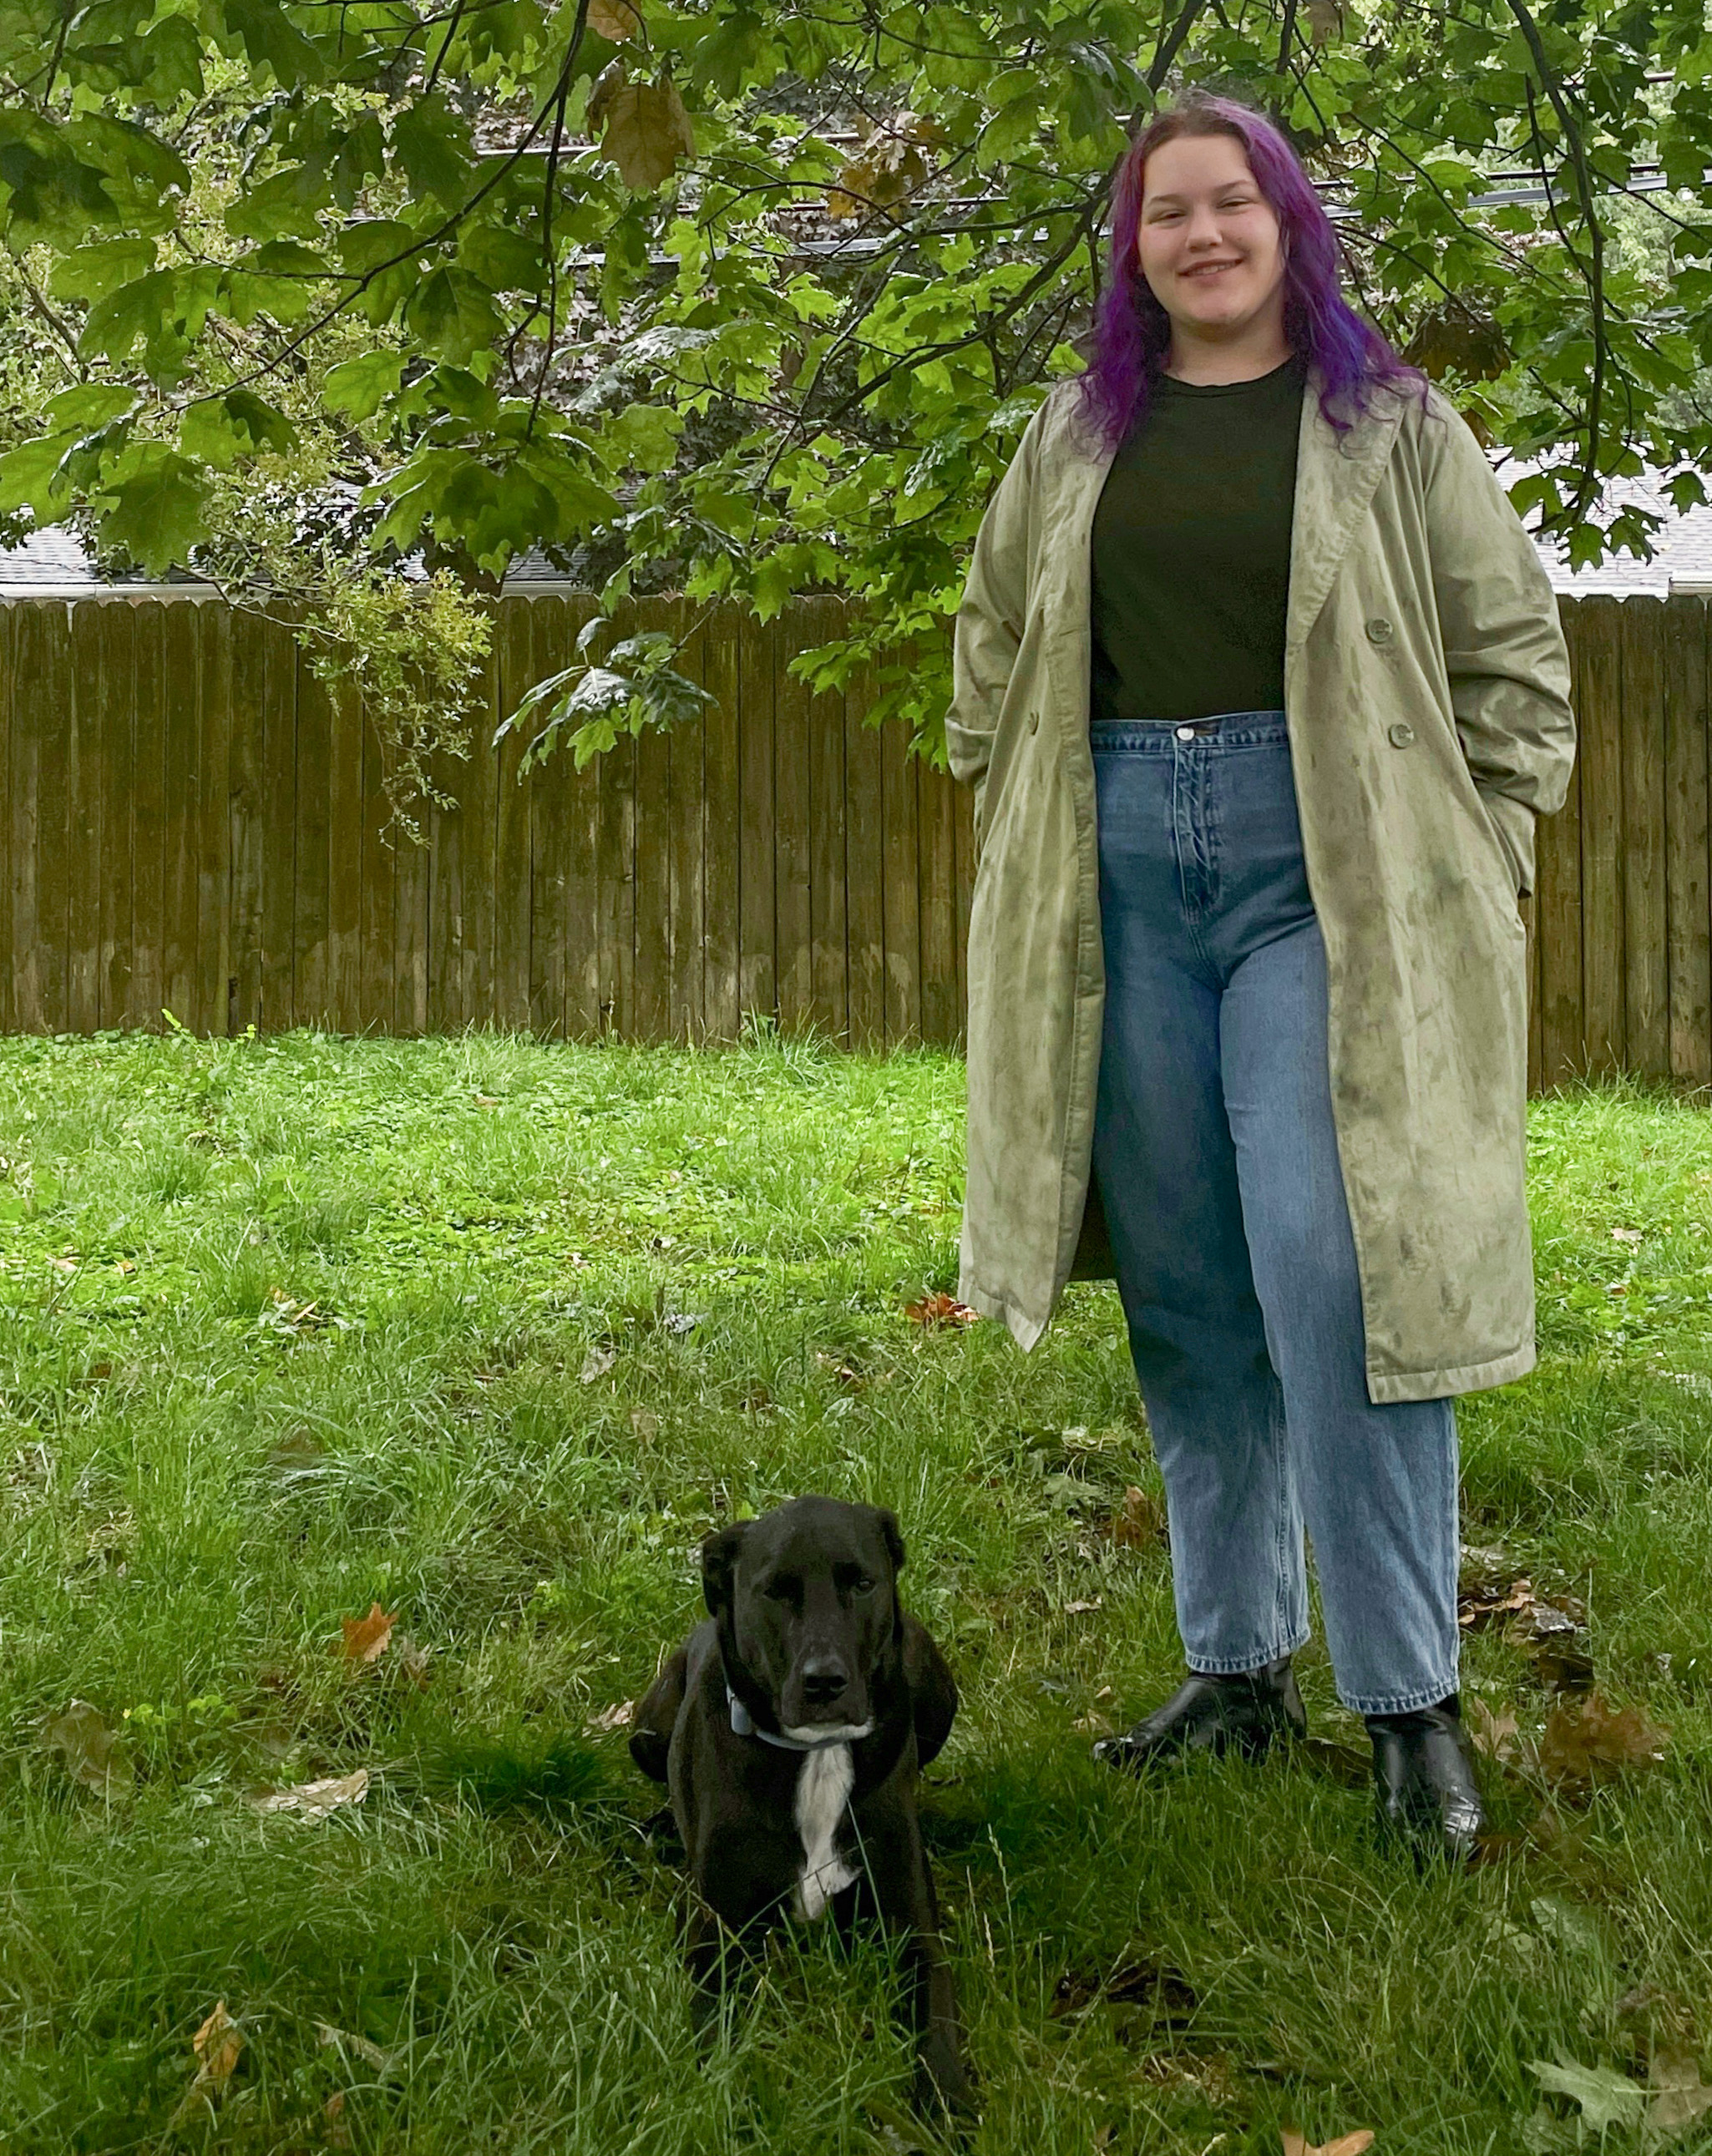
[1223,729]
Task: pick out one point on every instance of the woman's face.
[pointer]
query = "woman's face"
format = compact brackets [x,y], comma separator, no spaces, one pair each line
[1208,244]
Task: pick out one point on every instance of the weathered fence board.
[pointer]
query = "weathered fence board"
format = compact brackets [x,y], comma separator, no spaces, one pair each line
[197,824]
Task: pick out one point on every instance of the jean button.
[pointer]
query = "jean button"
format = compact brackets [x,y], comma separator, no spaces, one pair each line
[1185,733]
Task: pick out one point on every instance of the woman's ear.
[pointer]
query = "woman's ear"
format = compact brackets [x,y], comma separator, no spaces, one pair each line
[719,1556]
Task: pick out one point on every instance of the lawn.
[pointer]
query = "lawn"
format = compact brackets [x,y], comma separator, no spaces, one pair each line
[490,1334]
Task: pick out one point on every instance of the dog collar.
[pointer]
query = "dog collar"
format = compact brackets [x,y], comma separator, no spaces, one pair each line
[743,1724]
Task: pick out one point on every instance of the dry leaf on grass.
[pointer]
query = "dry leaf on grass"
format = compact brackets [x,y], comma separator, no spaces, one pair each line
[1587,1740]
[1493,1734]
[79,1733]
[217,2045]
[411,1661]
[1139,1523]
[371,2053]
[645,1425]
[315,1799]
[940,1309]
[1682,2099]
[1346,2144]
[365,1638]
[619,1715]
[600,1361]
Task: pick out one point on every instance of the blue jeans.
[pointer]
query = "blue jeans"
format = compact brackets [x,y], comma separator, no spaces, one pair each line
[1218,1168]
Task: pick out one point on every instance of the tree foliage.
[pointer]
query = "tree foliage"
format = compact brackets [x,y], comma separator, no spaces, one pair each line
[731,300]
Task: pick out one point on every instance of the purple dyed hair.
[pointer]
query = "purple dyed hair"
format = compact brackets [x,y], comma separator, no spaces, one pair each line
[1132,332]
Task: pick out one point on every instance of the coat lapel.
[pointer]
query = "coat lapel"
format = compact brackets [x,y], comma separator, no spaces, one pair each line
[1335,480]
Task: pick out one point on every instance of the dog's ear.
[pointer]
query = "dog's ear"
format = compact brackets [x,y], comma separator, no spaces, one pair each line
[719,1556]
[893,1538]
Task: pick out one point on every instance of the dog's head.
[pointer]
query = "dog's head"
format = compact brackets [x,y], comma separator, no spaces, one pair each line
[806,1602]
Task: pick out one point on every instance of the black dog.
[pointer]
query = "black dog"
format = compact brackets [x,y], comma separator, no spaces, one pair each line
[789,1728]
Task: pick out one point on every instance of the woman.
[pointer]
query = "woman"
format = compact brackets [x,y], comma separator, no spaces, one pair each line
[1260,686]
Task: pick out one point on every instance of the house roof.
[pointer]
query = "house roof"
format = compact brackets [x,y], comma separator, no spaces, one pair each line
[53,564]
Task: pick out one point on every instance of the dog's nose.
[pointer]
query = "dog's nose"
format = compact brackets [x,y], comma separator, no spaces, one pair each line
[823,1679]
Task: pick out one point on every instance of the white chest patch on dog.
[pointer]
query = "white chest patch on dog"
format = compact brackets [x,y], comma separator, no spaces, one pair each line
[823,1787]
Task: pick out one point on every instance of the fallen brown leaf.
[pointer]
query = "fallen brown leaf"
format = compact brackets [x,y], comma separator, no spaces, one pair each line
[370,2052]
[1139,1523]
[645,1425]
[1683,2098]
[366,1637]
[217,2045]
[619,1715]
[1493,1734]
[79,1733]
[1346,2144]
[315,1799]
[940,1309]
[1587,1740]
[411,1661]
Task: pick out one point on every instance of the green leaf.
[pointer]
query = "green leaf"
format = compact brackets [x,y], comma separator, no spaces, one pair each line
[288,201]
[91,272]
[90,404]
[218,431]
[358,387]
[284,258]
[27,476]
[156,514]
[273,42]
[136,312]
[506,261]
[452,316]
[51,196]
[428,142]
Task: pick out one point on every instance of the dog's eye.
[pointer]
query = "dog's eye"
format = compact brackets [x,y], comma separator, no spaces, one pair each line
[864,1585]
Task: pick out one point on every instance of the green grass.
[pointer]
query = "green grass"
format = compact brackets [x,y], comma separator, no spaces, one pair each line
[289,1326]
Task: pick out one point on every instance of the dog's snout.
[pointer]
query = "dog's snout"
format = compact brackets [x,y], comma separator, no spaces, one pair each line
[825,1678]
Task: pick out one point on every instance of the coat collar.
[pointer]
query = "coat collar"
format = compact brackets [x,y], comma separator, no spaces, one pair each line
[1335,480]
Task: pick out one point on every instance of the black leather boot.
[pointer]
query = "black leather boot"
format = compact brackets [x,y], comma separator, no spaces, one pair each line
[1250,1711]
[1424,1781]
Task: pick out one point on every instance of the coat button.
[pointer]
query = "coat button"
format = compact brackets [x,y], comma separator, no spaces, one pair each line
[1379,631]
[1400,734]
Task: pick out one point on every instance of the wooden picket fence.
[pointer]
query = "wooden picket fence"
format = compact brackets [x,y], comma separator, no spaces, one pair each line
[193,826]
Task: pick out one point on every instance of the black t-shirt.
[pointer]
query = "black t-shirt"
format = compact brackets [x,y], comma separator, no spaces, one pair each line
[1191,551]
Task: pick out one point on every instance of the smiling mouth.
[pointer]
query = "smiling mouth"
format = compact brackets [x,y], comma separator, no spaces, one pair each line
[1209,269]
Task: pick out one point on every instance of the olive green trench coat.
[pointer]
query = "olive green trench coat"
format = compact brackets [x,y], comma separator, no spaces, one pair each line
[1426,694]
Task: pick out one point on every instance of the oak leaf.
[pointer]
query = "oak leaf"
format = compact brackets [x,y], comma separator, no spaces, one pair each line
[940,1309]
[366,1637]
[1587,1740]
